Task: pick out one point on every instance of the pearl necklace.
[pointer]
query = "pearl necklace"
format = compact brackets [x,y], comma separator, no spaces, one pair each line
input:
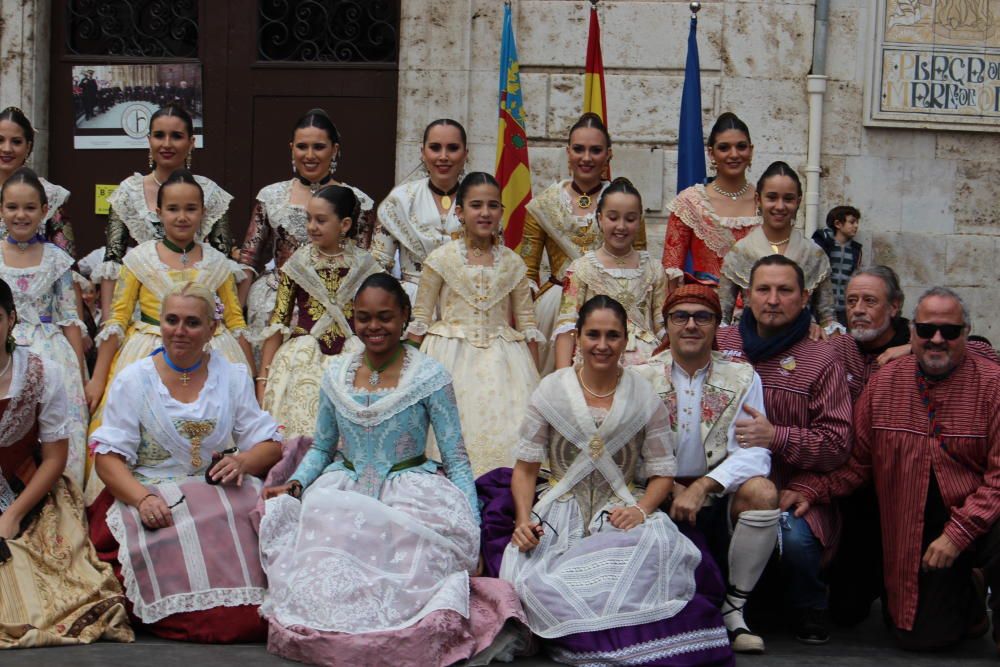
[732,195]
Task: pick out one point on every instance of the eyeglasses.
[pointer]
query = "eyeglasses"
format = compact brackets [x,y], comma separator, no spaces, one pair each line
[701,317]
[926,330]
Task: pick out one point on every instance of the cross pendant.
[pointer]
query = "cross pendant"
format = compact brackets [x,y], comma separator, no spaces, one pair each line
[185,378]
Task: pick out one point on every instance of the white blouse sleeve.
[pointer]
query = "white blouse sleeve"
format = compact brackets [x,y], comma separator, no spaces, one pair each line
[533,445]
[119,430]
[251,425]
[53,411]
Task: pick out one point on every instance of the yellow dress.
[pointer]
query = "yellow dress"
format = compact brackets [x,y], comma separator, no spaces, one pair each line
[491,368]
[145,280]
[642,291]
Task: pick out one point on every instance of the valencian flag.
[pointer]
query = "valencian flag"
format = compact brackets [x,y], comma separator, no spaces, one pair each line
[690,145]
[512,170]
[594,98]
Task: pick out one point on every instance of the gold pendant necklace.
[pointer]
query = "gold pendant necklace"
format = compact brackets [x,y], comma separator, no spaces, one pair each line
[444,195]
[584,200]
[776,246]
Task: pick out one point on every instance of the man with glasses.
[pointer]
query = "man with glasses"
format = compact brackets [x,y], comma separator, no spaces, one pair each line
[720,486]
[927,432]
[807,426]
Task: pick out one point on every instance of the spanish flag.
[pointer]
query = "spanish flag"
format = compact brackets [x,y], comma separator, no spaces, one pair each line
[594,98]
[512,172]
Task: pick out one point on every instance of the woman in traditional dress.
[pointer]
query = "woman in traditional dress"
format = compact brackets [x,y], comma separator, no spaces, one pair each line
[182,443]
[705,221]
[278,223]
[618,270]
[150,272]
[419,216]
[319,281]
[17,138]
[779,193]
[604,576]
[49,324]
[55,591]
[367,550]
[133,216]
[562,223]
[477,284]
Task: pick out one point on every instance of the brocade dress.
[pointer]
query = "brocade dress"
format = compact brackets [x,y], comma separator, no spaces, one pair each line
[45,302]
[376,557]
[54,591]
[488,359]
[321,290]
[411,227]
[641,291]
[200,579]
[596,594]
[277,229]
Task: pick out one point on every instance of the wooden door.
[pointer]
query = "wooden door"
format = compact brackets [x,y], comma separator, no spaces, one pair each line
[264,64]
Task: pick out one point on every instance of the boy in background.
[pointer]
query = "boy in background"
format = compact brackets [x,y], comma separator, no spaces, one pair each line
[837,241]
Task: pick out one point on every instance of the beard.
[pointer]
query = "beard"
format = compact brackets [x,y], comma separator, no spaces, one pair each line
[868,335]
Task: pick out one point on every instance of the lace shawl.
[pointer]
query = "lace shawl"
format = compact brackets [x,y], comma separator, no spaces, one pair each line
[129,202]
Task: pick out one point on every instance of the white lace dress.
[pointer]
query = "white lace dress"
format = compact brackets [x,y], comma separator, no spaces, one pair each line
[45,302]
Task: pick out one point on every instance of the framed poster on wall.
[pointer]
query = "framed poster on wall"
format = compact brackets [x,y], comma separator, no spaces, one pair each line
[112,104]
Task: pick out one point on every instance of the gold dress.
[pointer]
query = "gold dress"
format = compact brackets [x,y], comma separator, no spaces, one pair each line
[491,367]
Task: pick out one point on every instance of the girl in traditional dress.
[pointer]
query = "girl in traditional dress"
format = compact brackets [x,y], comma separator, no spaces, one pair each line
[182,443]
[319,281]
[150,272]
[562,222]
[55,590]
[779,193]
[133,216]
[278,223]
[477,284]
[419,216]
[49,324]
[367,550]
[605,577]
[705,221]
[17,138]
[618,270]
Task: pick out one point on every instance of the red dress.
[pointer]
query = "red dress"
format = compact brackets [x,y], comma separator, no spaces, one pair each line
[695,231]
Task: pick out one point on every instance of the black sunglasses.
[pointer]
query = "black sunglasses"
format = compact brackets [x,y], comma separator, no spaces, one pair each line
[926,330]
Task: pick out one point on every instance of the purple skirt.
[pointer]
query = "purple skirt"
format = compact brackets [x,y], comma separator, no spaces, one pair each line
[694,637]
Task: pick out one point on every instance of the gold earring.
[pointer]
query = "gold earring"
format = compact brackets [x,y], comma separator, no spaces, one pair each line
[152,165]
[189,159]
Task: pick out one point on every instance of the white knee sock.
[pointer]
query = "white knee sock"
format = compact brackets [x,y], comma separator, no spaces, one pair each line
[750,548]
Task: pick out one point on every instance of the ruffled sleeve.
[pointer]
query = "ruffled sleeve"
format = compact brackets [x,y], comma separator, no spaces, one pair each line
[384,245]
[65,314]
[424,306]
[524,312]
[117,241]
[122,307]
[533,445]
[220,237]
[119,429]
[251,424]
[531,247]
[232,312]
[573,297]
[675,247]
[658,458]
[53,413]
[443,410]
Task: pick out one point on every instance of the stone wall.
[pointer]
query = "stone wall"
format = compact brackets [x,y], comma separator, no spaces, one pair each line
[24,67]
[929,199]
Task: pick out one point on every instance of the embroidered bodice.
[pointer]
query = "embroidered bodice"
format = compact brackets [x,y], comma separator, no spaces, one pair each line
[370,432]
[278,227]
[43,295]
[475,302]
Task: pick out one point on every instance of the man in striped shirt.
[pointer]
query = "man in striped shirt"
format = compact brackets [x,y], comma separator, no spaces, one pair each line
[807,427]
[927,431]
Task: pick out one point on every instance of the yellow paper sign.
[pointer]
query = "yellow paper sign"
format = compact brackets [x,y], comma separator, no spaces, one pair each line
[101,194]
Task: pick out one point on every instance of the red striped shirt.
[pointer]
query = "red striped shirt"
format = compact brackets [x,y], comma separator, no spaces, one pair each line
[806,398]
[895,447]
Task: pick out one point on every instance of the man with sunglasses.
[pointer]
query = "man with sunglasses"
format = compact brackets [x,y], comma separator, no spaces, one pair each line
[807,427]
[927,433]
[721,487]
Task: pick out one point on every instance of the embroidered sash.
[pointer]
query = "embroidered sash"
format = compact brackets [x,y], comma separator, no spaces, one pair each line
[560,401]
[301,269]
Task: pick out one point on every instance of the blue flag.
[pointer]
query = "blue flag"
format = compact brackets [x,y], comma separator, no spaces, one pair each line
[690,143]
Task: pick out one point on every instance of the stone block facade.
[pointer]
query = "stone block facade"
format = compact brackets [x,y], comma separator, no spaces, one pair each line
[930,200]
